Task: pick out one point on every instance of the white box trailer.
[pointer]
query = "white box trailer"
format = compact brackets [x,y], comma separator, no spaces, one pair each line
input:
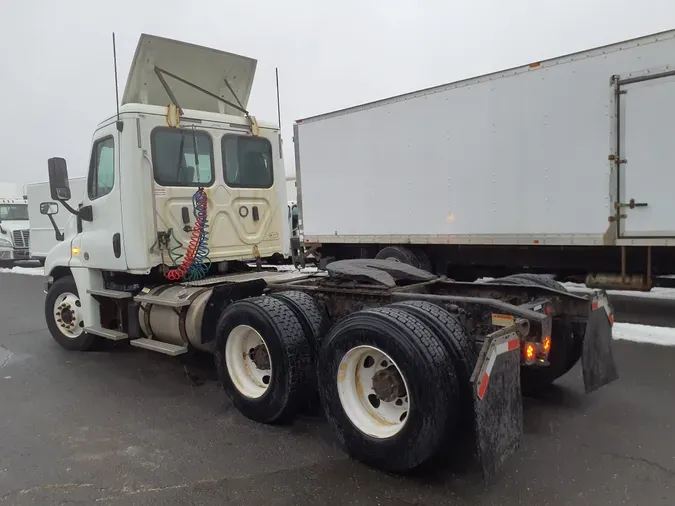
[11,190]
[42,236]
[573,151]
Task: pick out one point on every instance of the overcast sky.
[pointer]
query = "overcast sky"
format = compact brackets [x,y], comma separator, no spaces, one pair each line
[57,75]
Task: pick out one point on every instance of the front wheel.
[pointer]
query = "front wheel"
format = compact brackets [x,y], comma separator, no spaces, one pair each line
[63,312]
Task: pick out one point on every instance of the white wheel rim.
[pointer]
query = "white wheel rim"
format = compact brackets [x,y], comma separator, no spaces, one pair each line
[68,315]
[392,259]
[371,415]
[250,379]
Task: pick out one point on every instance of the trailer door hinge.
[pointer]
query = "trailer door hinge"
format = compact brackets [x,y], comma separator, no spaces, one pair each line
[614,158]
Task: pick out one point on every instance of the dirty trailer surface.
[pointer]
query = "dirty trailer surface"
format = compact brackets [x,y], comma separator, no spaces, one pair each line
[123,426]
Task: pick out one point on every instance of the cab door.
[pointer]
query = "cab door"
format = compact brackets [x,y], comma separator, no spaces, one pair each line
[102,240]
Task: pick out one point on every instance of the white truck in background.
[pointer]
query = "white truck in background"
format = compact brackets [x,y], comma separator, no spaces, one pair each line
[181,199]
[43,237]
[14,231]
[12,190]
[562,166]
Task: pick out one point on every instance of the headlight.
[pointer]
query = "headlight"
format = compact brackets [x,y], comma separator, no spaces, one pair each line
[5,243]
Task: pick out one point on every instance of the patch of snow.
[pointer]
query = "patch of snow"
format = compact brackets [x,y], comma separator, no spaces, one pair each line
[663,336]
[655,293]
[31,271]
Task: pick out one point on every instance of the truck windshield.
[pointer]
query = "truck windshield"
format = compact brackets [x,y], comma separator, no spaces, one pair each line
[11,212]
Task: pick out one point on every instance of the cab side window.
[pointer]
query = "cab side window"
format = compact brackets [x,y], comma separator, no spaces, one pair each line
[101,168]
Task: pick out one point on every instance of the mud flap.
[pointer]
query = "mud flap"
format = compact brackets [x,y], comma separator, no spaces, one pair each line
[597,359]
[497,401]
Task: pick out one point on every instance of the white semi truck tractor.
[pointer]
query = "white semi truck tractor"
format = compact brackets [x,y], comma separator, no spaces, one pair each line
[182,197]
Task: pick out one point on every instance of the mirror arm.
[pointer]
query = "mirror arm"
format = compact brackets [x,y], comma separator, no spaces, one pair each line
[84,212]
[57,233]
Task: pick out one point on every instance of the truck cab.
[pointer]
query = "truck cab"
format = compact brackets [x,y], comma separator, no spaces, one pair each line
[14,230]
[182,129]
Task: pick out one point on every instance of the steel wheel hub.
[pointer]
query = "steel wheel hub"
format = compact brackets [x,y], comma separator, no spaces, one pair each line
[67,315]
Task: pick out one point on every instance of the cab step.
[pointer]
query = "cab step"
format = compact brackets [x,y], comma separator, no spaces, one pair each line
[158,346]
[113,335]
[110,294]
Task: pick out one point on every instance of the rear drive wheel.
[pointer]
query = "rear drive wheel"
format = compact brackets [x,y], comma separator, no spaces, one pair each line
[388,387]
[455,339]
[312,316]
[65,320]
[263,359]
[566,340]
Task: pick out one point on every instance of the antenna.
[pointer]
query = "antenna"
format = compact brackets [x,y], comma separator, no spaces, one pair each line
[119,124]
[278,101]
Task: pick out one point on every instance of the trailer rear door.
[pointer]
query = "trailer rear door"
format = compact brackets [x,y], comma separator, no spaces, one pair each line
[646,184]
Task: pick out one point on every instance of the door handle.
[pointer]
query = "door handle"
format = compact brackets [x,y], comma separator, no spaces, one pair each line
[185,214]
[256,215]
[631,204]
[117,245]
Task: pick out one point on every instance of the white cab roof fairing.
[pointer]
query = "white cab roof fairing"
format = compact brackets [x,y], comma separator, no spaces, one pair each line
[205,67]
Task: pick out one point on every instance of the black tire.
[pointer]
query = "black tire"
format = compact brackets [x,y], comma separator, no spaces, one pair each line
[566,344]
[423,259]
[457,342]
[429,374]
[399,254]
[84,342]
[289,354]
[312,316]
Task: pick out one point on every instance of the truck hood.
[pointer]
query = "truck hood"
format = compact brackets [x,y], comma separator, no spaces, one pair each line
[11,225]
[205,67]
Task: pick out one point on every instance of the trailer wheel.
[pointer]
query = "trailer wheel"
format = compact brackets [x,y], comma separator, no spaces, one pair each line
[63,313]
[566,340]
[263,359]
[454,337]
[399,254]
[389,390]
[312,316]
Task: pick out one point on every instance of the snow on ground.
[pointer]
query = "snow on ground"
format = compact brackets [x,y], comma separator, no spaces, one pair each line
[31,271]
[655,293]
[663,336]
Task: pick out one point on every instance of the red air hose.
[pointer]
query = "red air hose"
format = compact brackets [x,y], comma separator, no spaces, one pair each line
[197,238]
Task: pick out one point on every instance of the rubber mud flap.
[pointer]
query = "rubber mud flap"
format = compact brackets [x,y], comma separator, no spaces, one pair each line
[597,359]
[498,404]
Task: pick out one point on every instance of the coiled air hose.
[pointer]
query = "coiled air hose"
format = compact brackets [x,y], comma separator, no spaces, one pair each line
[195,263]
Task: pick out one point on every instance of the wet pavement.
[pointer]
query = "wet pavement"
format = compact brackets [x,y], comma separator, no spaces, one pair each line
[125,426]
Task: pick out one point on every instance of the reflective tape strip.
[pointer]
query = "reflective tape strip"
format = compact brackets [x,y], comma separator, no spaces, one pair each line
[511,344]
[599,301]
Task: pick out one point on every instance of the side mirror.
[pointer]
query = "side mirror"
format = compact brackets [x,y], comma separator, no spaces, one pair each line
[58,179]
[49,208]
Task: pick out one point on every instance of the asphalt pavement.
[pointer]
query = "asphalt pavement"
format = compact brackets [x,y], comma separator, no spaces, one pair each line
[124,426]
